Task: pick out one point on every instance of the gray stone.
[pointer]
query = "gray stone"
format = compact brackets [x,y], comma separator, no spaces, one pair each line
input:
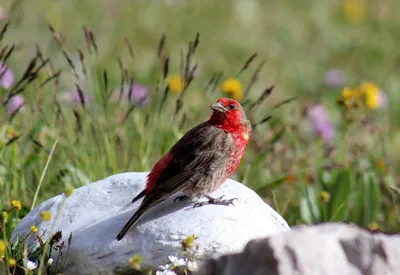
[328,249]
[95,213]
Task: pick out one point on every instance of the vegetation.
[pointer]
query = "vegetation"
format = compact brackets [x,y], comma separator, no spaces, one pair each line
[93,88]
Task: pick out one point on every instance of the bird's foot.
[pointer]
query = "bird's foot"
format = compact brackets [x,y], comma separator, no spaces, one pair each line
[181,198]
[216,201]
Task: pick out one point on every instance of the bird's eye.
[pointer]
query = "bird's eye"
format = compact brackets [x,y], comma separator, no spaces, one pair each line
[232,106]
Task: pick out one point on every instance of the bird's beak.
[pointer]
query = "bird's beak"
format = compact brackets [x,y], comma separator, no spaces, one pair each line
[218,107]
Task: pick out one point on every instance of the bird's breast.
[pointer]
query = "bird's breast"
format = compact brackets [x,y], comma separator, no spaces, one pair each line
[241,141]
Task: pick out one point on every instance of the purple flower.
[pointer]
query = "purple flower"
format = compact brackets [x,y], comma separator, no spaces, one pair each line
[6,76]
[73,97]
[139,94]
[16,103]
[383,100]
[319,119]
[335,78]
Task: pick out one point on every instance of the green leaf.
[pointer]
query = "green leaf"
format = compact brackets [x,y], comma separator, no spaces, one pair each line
[309,210]
[325,178]
[305,211]
[313,202]
[369,201]
[269,186]
[32,158]
[374,198]
[359,207]
[340,194]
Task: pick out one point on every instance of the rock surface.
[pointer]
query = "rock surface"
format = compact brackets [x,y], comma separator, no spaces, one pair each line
[95,213]
[328,249]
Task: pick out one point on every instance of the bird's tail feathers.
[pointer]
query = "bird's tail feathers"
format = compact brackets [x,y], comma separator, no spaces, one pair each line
[148,202]
[132,221]
[138,197]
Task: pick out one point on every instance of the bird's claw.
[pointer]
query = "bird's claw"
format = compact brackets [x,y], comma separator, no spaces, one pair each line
[199,204]
[181,198]
[215,201]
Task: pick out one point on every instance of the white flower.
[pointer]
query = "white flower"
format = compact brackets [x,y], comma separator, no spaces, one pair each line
[192,266]
[165,267]
[176,261]
[30,265]
[49,261]
[166,272]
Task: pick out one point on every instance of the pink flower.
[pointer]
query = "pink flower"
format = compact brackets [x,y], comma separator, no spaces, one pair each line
[139,94]
[335,78]
[73,97]
[2,14]
[320,123]
[6,76]
[16,103]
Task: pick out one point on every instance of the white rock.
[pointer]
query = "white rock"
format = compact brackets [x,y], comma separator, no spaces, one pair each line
[95,213]
[328,249]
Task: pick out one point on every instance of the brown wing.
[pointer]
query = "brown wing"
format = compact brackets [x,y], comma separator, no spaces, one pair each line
[198,154]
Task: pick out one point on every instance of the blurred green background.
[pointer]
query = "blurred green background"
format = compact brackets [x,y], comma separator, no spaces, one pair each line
[307,179]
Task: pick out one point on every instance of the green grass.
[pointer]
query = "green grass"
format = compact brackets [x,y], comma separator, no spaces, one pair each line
[284,163]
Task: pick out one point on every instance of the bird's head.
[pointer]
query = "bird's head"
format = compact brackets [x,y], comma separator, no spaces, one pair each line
[229,114]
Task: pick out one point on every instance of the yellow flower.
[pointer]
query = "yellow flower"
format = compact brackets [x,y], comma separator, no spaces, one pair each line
[324,197]
[176,83]
[348,93]
[68,191]
[11,133]
[135,261]
[373,95]
[12,262]
[373,226]
[233,87]
[46,215]
[189,241]
[16,205]
[34,229]
[3,248]
[351,93]
[367,94]
[4,216]
[354,11]
[350,96]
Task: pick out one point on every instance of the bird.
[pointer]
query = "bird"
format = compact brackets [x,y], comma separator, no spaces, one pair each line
[199,163]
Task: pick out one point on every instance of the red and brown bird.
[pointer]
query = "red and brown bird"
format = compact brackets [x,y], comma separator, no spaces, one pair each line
[200,162]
